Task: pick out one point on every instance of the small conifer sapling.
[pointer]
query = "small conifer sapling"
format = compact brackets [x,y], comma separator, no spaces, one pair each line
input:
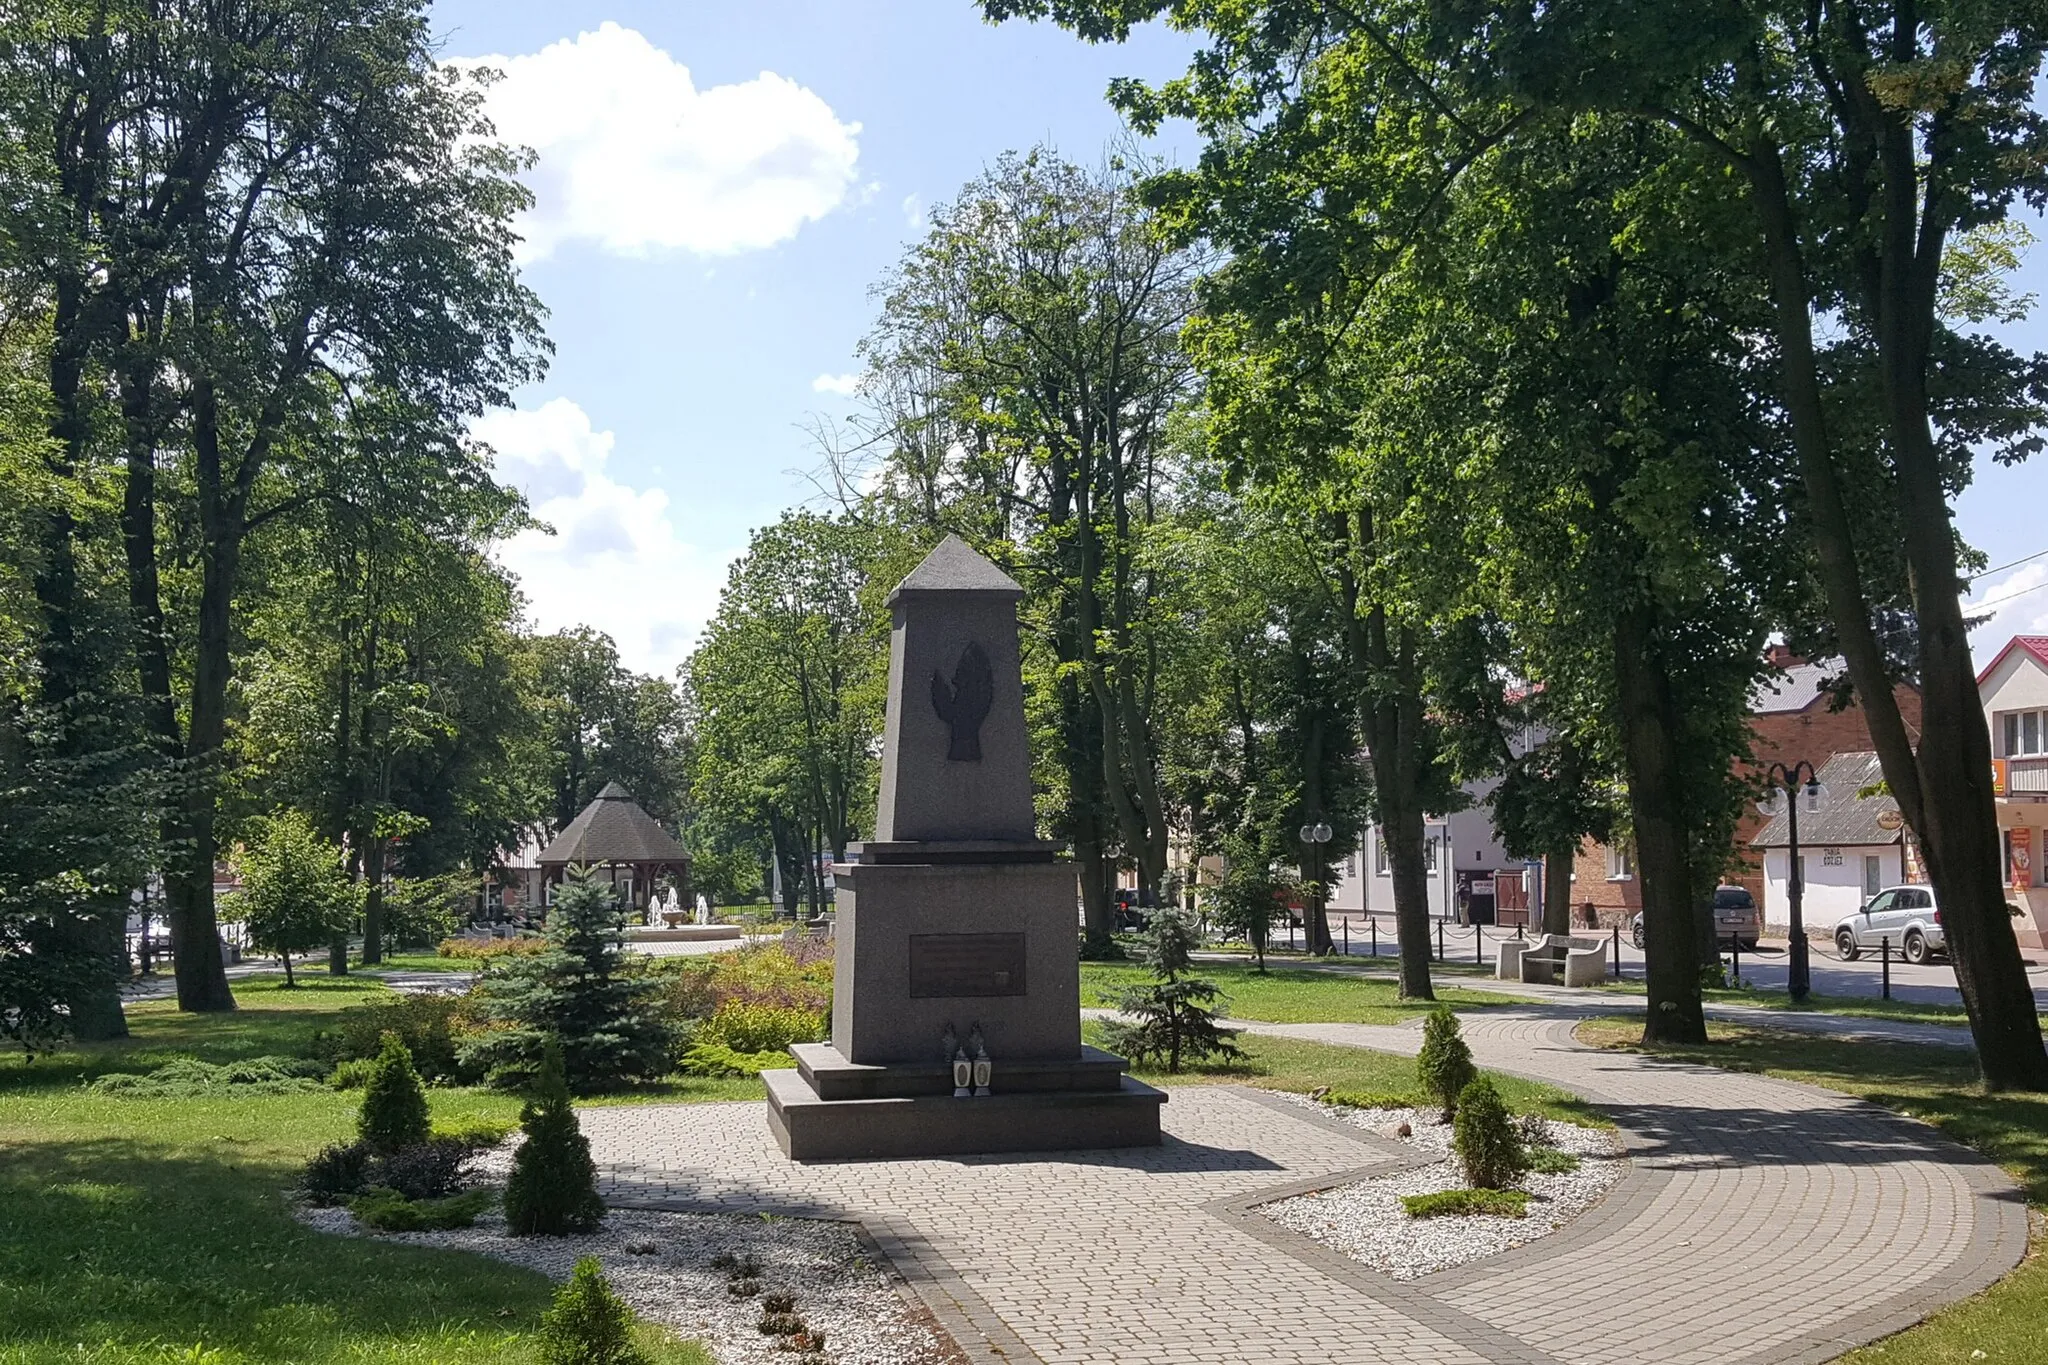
[1445,1063]
[1176,1014]
[588,1323]
[394,1112]
[1485,1139]
[552,1190]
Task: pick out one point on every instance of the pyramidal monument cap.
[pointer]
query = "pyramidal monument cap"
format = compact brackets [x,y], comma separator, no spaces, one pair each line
[956,566]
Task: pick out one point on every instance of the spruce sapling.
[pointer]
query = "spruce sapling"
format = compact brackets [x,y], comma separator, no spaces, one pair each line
[553,1187]
[1176,1018]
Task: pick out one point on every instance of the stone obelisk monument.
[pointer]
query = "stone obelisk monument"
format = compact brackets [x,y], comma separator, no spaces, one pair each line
[956,998]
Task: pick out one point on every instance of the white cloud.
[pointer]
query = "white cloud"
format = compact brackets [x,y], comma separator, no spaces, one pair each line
[2016,604]
[634,157]
[845,385]
[615,562]
[913,213]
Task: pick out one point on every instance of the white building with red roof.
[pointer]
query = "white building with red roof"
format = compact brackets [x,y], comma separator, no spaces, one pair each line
[2014,689]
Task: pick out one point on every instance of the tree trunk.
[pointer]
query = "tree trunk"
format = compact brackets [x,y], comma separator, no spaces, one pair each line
[1557,890]
[1401,832]
[1944,789]
[373,902]
[1650,751]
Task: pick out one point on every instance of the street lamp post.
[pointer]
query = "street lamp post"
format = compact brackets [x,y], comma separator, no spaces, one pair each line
[1790,778]
[1313,837]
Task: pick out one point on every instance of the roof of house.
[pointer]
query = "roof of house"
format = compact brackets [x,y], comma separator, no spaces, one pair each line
[2036,645]
[612,829]
[1844,818]
[1797,688]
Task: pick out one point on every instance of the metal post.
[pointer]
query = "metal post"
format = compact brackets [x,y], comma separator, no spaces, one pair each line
[1479,945]
[1439,940]
[1799,980]
[1375,923]
[1735,955]
[1884,956]
[1347,936]
[1617,950]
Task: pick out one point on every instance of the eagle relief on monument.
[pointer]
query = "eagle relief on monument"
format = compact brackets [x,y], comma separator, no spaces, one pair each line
[964,705]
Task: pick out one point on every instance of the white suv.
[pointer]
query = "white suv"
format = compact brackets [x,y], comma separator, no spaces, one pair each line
[1906,915]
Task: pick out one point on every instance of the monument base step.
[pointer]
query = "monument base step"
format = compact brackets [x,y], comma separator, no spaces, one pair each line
[812,1129]
[832,1077]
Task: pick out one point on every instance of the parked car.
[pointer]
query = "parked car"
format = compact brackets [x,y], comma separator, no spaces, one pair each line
[1906,915]
[1736,919]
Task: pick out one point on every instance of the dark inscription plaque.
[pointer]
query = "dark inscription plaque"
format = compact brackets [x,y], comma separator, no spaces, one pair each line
[966,964]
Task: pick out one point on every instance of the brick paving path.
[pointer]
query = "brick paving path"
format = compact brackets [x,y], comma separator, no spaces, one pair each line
[1762,1221]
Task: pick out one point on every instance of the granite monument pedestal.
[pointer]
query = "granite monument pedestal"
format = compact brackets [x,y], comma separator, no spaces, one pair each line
[956,997]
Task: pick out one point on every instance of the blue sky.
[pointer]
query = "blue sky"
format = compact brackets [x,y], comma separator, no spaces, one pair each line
[719,186]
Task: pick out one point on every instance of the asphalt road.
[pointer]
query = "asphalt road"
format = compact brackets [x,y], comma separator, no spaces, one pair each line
[1766,968]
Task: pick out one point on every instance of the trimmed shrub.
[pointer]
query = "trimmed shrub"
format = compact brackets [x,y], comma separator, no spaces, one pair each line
[1445,1063]
[1485,1140]
[484,949]
[716,1059]
[431,1026]
[352,1075]
[1368,1099]
[188,1078]
[1551,1161]
[394,1112]
[553,1188]
[588,1324]
[744,1026]
[340,1170]
[387,1210]
[1457,1203]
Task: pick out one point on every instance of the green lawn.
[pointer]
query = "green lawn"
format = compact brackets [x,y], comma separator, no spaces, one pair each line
[154,1230]
[2009,1321]
[1849,1006]
[1296,1065]
[1289,995]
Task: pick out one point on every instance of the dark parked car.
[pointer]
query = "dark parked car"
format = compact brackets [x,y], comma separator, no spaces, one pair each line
[1736,919]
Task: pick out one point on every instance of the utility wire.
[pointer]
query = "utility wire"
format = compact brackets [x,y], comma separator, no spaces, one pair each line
[1994,601]
[2027,559]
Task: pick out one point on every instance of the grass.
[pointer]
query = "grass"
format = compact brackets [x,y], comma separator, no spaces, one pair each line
[1938,1085]
[1849,1006]
[1459,1203]
[148,1231]
[1284,995]
[1298,1066]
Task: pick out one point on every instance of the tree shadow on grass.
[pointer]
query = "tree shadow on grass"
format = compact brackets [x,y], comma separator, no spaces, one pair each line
[118,1244]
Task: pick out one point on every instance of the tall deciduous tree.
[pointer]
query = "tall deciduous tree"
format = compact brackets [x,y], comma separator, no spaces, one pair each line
[1863,136]
[262,210]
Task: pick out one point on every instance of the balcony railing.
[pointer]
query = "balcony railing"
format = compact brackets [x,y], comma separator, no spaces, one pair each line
[2029,774]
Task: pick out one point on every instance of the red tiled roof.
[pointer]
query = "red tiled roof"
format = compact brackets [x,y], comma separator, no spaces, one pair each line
[2036,645]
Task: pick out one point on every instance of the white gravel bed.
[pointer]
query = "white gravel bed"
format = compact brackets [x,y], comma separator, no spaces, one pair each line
[660,1263]
[1366,1222]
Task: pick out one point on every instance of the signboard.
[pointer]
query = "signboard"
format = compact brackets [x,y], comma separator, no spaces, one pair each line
[1998,777]
[2022,858]
[1890,820]
[946,965]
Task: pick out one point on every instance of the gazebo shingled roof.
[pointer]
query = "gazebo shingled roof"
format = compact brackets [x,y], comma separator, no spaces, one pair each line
[612,829]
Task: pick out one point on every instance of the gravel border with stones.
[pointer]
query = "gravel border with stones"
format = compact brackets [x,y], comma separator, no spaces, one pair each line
[660,1263]
[1366,1221]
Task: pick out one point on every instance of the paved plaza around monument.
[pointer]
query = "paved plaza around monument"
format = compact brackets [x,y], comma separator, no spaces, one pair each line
[1761,1221]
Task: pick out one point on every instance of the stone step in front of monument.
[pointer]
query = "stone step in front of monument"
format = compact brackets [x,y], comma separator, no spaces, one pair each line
[832,1077]
[812,1129]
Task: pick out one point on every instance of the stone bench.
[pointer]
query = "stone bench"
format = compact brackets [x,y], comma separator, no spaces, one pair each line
[1539,961]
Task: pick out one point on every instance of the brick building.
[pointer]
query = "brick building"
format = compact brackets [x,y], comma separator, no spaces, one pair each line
[1791,718]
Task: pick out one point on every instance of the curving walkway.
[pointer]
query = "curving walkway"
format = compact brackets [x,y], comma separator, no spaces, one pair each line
[1762,1221]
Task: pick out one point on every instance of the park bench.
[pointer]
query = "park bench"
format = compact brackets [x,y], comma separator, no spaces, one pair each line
[1580,961]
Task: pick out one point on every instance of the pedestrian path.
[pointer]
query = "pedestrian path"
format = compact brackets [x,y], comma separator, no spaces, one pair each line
[1745,1232]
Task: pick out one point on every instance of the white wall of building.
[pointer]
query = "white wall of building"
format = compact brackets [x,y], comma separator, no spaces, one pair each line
[1364,883]
[1835,882]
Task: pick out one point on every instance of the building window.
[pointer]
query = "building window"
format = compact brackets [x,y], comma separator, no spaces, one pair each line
[1873,874]
[1379,855]
[1621,863]
[2026,732]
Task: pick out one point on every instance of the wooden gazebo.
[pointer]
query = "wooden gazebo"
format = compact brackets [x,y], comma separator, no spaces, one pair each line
[617,841]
